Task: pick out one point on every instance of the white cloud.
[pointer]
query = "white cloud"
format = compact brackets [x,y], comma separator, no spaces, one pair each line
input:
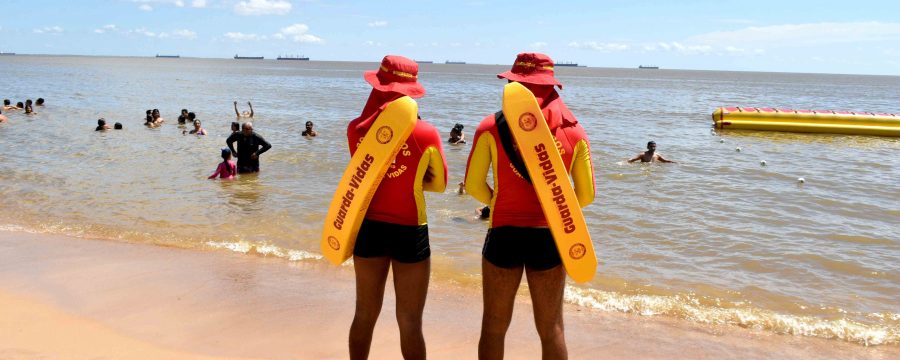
[145,7]
[106,28]
[538,45]
[803,34]
[372,43]
[198,3]
[238,36]
[179,3]
[179,34]
[262,7]
[141,31]
[298,33]
[604,47]
[49,30]
[379,23]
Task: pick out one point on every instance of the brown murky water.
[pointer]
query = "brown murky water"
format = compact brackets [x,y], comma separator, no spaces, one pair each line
[717,238]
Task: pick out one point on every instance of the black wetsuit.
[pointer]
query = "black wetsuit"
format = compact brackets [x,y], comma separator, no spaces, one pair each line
[246,146]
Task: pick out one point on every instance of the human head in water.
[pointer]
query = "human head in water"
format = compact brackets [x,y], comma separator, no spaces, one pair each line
[651,145]
[6,102]
[39,102]
[20,105]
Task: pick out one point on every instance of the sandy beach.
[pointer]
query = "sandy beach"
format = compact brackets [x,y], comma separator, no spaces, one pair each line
[63,297]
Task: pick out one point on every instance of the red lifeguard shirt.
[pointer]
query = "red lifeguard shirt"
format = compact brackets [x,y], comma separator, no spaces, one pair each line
[512,199]
[399,198]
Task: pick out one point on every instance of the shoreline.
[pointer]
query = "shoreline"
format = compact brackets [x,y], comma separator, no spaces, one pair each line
[138,300]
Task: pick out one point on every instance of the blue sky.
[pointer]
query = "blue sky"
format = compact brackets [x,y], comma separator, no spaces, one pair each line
[856,37]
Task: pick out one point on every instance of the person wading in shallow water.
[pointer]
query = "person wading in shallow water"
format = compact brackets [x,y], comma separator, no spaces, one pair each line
[650,155]
[249,147]
[394,233]
[518,240]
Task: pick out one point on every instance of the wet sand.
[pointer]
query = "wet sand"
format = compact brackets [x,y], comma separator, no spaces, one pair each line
[78,298]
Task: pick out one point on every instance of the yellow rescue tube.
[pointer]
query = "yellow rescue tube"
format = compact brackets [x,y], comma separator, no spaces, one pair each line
[362,176]
[551,182]
[808,121]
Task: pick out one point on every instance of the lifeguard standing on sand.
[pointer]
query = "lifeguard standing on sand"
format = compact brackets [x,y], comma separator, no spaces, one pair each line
[518,239]
[394,233]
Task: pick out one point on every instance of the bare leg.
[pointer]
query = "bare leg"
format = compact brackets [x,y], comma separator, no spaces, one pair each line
[411,286]
[500,286]
[546,289]
[371,275]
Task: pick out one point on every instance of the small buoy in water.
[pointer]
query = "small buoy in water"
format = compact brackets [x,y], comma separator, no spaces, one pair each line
[762,163]
[801,180]
[738,149]
[721,141]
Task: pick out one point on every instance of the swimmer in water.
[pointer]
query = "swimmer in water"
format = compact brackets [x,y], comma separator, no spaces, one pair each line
[227,168]
[456,135]
[39,102]
[2,117]
[157,120]
[7,105]
[197,129]
[182,119]
[650,155]
[235,127]
[309,132]
[28,109]
[101,125]
[245,114]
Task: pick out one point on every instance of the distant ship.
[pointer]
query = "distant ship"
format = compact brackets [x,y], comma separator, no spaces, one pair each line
[168,56]
[424,62]
[455,62]
[236,57]
[567,64]
[6,54]
[647,67]
[292,57]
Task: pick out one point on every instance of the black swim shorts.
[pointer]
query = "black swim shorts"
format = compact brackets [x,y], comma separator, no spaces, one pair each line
[510,247]
[404,243]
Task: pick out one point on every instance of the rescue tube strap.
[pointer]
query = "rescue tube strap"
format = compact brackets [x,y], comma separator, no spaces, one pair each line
[507,141]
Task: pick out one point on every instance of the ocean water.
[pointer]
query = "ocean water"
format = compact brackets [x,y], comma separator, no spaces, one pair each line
[716,239]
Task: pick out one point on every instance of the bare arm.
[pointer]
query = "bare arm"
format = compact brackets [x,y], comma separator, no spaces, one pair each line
[251,108]
[636,158]
[663,160]
[236,112]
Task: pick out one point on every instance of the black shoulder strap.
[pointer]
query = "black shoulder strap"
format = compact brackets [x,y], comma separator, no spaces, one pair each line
[507,141]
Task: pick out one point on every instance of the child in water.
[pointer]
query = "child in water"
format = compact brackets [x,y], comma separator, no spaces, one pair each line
[227,168]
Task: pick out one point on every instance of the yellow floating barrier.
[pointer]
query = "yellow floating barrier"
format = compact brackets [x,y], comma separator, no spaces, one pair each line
[807,121]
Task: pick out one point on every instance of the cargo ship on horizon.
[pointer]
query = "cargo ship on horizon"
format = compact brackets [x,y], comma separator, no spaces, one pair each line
[648,67]
[292,57]
[168,56]
[237,57]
